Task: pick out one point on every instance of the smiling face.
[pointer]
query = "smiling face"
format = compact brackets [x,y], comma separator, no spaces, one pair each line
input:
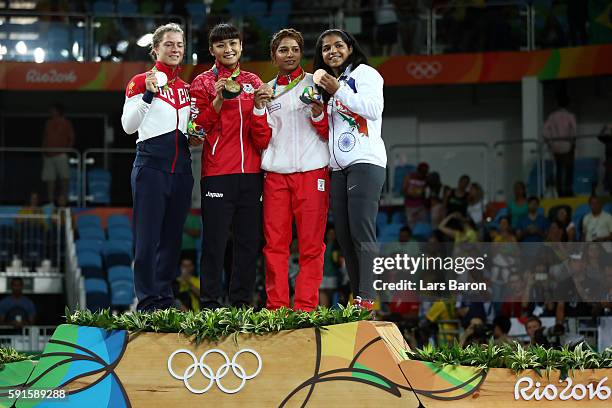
[171,48]
[227,52]
[335,51]
[287,56]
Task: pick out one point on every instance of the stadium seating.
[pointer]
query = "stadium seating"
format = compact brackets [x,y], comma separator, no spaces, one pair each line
[120,234]
[89,245]
[117,253]
[382,220]
[91,233]
[585,175]
[90,264]
[88,220]
[422,231]
[98,186]
[118,221]
[96,293]
[390,232]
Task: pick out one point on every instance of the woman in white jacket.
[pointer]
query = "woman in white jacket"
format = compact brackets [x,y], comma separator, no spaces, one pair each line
[296,183]
[353,93]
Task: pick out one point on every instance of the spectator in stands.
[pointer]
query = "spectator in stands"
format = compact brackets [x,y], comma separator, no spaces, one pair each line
[230,109]
[518,206]
[161,176]
[386,26]
[475,333]
[578,289]
[553,34]
[465,231]
[515,293]
[577,18]
[557,232]
[414,188]
[188,291]
[533,326]
[191,233]
[434,184]
[501,328]
[597,225]
[58,134]
[564,221]
[17,310]
[436,194]
[438,319]
[437,211]
[533,226]
[476,205]
[504,232]
[358,152]
[32,213]
[560,135]
[606,138]
[456,199]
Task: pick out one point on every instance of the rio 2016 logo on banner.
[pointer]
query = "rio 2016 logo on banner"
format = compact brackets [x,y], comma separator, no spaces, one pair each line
[571,391]
[209,374]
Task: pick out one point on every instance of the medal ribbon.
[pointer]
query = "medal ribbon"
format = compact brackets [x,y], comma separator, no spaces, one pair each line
[289,86]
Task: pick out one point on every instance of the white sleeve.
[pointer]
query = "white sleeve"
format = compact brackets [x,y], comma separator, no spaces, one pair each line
[368,101]
[135,109]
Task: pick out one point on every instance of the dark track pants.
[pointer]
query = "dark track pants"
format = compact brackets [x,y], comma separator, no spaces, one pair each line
[230,201]
[161,202]
[355,193]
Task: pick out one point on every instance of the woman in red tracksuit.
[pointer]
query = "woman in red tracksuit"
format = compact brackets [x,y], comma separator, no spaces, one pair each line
[236,131]
[296,182]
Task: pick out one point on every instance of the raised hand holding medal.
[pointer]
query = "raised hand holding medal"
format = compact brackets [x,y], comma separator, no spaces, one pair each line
[162,79]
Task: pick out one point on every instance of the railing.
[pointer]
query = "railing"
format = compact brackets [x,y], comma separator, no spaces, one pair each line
[31,338]
[23,166]
[497,166]
[75,282]
[31,243]
[102,176]
[404,28]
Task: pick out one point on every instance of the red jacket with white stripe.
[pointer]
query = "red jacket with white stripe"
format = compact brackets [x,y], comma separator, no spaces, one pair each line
[161,121]
[235,136]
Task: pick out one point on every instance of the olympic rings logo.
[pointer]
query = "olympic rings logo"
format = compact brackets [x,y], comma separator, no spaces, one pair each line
[424,70]
[214,377]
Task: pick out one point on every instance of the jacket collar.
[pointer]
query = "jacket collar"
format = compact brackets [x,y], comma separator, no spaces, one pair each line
[285,79]
[222,71]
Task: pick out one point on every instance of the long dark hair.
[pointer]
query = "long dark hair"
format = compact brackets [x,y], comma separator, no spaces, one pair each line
[356,58]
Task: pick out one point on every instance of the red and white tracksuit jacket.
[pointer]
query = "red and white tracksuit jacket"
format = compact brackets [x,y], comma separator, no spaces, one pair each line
[234,136]
[296,185]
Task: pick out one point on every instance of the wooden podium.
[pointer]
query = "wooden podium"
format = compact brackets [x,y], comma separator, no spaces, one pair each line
[361,364]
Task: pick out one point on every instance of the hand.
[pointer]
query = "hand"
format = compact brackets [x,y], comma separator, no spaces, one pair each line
[316,109]
[151,82]
[195,141]
[219,87]
[329,83]
[263,95]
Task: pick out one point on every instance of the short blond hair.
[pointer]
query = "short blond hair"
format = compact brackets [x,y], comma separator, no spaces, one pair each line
[158,36]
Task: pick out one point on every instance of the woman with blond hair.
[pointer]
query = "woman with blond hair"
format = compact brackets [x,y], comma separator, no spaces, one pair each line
[157,107]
